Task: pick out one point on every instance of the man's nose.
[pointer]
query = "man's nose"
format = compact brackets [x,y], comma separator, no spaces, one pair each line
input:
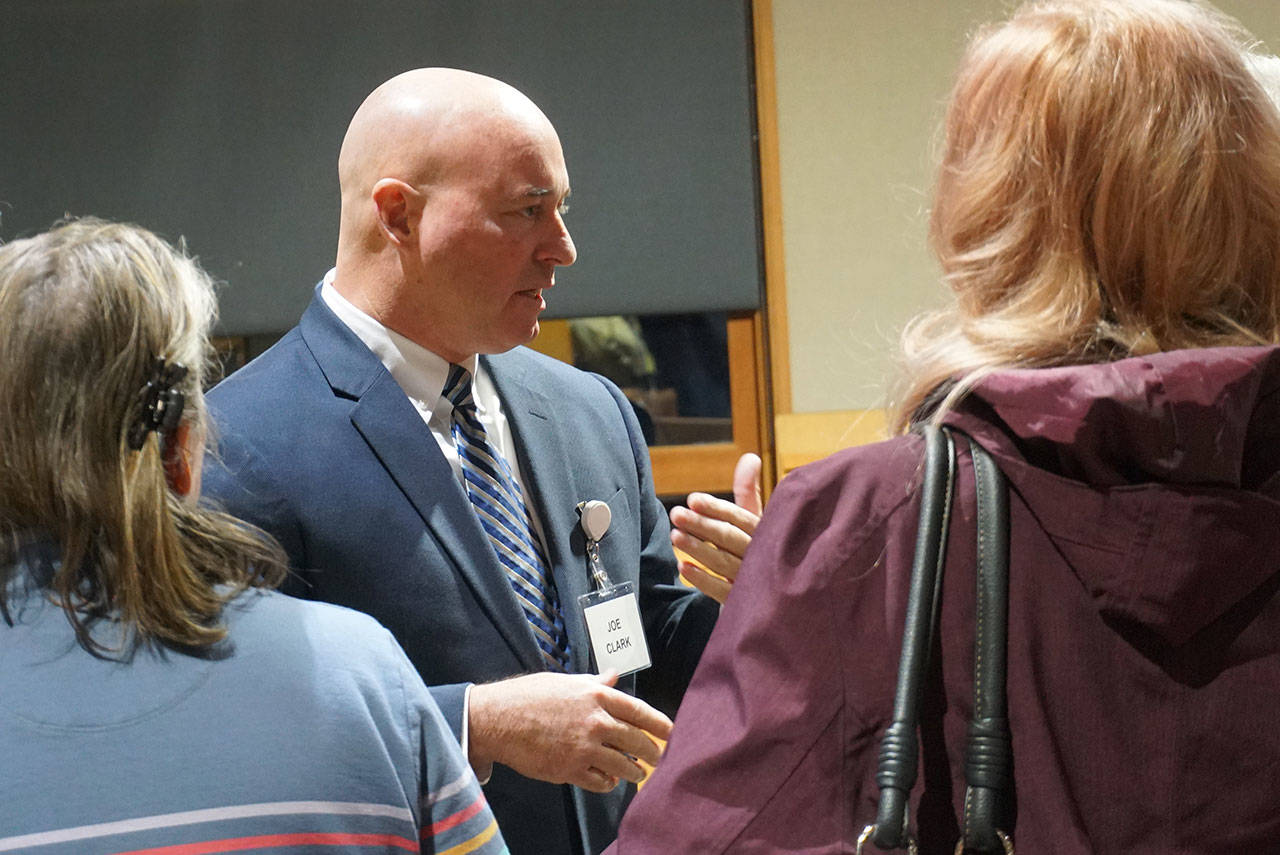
[559,248]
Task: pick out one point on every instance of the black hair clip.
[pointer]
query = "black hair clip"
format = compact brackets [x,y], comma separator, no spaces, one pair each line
[160,403]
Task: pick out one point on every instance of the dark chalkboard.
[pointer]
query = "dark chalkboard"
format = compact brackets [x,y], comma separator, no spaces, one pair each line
[220,121]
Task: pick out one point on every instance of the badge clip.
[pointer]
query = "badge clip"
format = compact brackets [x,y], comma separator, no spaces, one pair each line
[611,612]
[594,517]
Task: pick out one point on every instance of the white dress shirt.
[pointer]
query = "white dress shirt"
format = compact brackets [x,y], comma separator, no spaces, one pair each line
[421,374]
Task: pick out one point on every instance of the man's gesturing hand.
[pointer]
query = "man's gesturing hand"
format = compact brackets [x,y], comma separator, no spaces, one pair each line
[717,533]
[564,728]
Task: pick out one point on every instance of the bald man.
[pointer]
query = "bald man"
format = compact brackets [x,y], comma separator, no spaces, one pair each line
[355,441]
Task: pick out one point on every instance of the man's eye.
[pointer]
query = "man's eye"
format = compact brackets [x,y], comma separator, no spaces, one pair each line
[532,211]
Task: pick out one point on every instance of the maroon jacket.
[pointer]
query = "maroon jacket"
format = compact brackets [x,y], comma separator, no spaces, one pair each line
[1144,629]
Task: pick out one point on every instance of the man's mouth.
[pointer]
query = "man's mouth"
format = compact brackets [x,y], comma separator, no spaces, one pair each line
[533,294]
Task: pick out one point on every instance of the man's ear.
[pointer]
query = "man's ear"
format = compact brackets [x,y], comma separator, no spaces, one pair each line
[398,205]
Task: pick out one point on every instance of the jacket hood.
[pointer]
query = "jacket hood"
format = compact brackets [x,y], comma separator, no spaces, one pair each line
[1156,477]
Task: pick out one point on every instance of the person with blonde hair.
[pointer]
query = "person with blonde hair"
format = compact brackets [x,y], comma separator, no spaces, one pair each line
[1107,218]
[154,693]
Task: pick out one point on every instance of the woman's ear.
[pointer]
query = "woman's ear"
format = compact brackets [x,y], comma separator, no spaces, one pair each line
[183,460]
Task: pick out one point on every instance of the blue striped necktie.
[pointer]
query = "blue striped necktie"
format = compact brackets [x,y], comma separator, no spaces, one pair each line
[499,504]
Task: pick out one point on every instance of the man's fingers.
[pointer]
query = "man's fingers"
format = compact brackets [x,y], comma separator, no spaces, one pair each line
[613,763]
[595,781]
[727,536]
[737,521]
[746,484]
[718,560]
[636,712]
[636,744]
[715,587]
[716,534]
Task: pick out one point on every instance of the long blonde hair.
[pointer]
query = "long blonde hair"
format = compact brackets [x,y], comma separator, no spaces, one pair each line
[1109,187]
[87,308]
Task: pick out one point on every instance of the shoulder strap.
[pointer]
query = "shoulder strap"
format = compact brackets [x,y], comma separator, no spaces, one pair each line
[988,758]
[899,748]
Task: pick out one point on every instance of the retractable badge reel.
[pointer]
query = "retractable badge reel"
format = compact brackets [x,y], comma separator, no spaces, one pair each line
[612,612]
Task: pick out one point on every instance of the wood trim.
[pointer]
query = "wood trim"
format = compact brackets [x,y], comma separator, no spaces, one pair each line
[806,437]
[681,469]
[765,433]
[775,278]
[744,396]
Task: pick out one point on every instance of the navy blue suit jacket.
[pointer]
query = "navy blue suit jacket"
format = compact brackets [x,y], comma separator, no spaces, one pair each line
[318,445]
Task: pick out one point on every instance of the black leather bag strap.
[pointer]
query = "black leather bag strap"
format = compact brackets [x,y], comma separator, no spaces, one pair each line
[988,754]
[899,749]
[988,761]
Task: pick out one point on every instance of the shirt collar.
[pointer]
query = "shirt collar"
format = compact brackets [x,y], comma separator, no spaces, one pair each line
[418,371]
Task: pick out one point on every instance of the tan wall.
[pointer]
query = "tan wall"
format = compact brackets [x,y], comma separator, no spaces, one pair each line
[861,87]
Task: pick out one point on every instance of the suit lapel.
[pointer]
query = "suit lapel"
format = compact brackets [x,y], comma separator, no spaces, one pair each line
[403,444]
[548,474]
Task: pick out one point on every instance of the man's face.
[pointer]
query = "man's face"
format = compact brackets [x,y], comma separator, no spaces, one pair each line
[490,238]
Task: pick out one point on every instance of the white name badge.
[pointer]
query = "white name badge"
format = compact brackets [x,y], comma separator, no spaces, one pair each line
[615,630]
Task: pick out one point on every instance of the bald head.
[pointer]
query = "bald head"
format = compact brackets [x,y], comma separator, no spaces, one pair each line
[452,184]
[420,123]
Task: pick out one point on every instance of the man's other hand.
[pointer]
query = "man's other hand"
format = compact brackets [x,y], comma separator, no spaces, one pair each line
[564,728]
[716,533]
